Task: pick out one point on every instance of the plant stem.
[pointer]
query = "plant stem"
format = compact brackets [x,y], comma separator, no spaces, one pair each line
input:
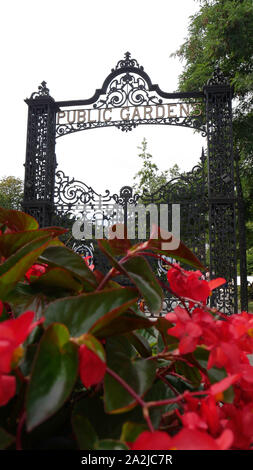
[132,392]
[170,401]
[105,279]
[19,430]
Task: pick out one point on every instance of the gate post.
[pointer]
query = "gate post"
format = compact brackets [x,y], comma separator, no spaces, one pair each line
[221,196]
[40,161]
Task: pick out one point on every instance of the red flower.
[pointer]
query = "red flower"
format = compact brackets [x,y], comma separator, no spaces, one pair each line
[36,270]
[157,440]
[185,329]
[12,334]
[1,307]
[91,367]
[188,284]
[7,388]
[186,439]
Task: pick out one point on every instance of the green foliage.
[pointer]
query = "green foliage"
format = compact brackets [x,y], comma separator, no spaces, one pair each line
[88,326]
[11,192]
[149,177]
[221,33]
[250,261]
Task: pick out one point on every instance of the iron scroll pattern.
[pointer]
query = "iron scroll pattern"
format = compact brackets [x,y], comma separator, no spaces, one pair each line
[221,189]
[188,190]
[129,86]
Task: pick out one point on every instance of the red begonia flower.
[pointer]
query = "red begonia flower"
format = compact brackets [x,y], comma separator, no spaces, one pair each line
[214,283]
[7,388]
[157,440]
[12,334]
[185,329]
[192,420]
[219,387]
[188,439]
[36,270]
[1,307]
[188,284]
[91,367]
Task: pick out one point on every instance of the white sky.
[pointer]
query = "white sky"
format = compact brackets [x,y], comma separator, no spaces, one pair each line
[73,46]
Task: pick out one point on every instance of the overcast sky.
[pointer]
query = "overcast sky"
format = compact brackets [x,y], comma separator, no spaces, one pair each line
[73,47]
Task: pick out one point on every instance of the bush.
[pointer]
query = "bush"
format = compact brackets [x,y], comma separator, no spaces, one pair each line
[82,367]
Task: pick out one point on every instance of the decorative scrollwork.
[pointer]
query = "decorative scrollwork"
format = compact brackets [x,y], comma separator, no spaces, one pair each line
[127,62]
[218,78]
[42,91]
[128,90]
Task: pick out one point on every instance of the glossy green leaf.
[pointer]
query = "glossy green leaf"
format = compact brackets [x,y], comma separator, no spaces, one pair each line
[163,326]
[117,246]
[84,432]
[110,444]
[11,242]
[130,431]
[126,322]
[181,253]
[64,257]
[139,375]
[90,312]
[140,343]
[15,267]
[190,373]
[53,375]
[105,425]
[6,439]
[141,274]
[17,220]
[59,278]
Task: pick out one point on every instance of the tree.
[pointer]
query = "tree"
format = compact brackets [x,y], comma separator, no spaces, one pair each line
[221,34]
[149,177]
[11,192]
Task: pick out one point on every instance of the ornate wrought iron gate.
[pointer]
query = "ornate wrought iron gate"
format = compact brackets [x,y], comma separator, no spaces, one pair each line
[128,99]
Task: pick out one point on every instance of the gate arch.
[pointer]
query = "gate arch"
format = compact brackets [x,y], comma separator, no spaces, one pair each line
[128,99]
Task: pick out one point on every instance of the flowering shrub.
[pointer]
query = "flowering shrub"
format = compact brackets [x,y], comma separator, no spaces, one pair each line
[82,367]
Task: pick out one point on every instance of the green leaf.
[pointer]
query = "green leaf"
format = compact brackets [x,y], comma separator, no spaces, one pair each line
[90,312]
[66,258]
[84,432]
[125,323]
[117,246]
[110,444]
[17,221]
[140,343]
[130,431]
[11,242]
[6,439]
[139,375]
[53,376]
[163,326]
[105,425]
[57,278]
[190,373]
[15,267]
[140,273]
[228,395]
[181,253]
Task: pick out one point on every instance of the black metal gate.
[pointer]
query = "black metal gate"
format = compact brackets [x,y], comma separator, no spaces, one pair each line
[208,199]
